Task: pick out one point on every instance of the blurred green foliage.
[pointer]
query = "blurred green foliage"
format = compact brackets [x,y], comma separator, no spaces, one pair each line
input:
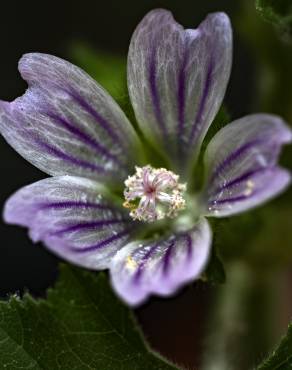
[214,273]
[278,12]
[273,61]
[109,70]
[222,119]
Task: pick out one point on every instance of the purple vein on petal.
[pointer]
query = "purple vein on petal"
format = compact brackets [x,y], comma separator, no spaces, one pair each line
[189,246]
[167,258]
[238,198]
[138,274]
[68,158]
[206,90]
[240,179]
[74,204]
[233,156]
[98,118]
[94,225]
[181,92]
[103,243]
[83,137]
[154,91]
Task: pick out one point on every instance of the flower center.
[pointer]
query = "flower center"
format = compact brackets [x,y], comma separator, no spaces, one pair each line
[153,194]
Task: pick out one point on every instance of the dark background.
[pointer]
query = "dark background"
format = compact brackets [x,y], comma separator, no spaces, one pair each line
[106,25]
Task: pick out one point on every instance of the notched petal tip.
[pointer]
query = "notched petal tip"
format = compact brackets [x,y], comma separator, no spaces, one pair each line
[26,60]
[157,11]
[221,17]
[177,79]
[65,123]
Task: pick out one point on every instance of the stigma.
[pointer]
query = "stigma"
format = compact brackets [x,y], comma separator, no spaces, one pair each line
[153,194]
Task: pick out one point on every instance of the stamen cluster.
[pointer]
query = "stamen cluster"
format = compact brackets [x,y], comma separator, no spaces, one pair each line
[153,194]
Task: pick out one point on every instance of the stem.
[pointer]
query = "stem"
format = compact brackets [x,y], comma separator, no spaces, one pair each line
[242,320]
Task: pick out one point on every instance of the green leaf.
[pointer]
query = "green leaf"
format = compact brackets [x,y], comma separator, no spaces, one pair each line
[278,12]
[281,358]
[81,325]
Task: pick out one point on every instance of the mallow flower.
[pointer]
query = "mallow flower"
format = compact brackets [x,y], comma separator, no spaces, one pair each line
[110,203]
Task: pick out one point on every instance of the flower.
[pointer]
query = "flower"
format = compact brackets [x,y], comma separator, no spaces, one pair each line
[107,204]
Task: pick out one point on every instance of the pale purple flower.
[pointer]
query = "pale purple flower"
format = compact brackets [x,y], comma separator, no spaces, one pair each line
[69,127]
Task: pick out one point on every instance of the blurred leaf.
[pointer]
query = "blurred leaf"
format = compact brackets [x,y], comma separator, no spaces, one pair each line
[214,273]
[272,89]
[261,236]
[278,12]
[81,325]
[222,118]
[271,247]
[281,358]
[107,69]
[234,235]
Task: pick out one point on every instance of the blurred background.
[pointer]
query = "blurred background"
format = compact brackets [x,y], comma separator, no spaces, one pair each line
[259,245]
